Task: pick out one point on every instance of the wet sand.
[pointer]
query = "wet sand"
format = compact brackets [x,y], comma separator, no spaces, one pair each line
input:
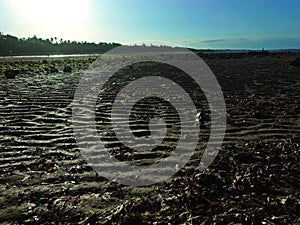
[255,178]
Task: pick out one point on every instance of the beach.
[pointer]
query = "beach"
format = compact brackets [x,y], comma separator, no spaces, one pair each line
[254,179]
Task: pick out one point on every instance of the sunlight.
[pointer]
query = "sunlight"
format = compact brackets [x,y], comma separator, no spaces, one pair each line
[51,10]
[60,17]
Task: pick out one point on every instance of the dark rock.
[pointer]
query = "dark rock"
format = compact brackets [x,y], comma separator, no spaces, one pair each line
[10,74]
[53,70]
[45,61]
[67,69]
[296,62]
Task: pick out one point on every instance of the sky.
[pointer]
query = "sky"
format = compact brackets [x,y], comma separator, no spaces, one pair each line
[215,24]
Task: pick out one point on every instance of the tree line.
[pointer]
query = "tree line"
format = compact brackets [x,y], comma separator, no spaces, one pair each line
[11,46]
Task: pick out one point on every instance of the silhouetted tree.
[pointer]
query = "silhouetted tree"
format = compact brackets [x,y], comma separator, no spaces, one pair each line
[10,45]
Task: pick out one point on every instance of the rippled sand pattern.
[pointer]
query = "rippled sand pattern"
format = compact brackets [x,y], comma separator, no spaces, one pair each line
[43,173]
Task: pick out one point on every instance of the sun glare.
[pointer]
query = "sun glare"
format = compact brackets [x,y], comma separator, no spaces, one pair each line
[59,17]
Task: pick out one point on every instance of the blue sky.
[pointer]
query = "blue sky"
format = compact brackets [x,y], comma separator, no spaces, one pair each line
[235,24]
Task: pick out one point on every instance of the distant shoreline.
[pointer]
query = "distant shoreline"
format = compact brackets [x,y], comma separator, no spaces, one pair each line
[196,51]
[48,56]
[206,51]
[43,57]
